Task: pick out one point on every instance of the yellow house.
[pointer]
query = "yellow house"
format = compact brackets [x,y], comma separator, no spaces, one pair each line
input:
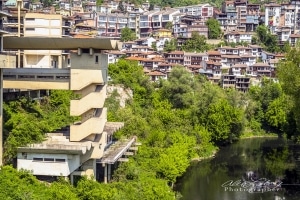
[64,12]
[162,33]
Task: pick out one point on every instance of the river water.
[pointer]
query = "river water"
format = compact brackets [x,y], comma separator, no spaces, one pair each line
[251,169]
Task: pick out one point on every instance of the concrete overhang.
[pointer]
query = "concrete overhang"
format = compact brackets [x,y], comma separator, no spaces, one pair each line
[46,43]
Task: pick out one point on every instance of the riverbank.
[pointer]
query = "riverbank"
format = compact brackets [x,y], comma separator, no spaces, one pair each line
[261,135]
[213,154]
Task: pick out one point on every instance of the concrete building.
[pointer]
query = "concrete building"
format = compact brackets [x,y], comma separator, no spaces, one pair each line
[45,25]
[85,147]
[272,16]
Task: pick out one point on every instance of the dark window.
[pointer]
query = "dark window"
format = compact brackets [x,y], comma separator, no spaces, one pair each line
[37,159]
[30,29]
[30,19]
[49,159]
[96,59]
[60,160]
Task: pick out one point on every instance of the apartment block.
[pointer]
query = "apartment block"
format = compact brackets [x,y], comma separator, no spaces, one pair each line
[45,25]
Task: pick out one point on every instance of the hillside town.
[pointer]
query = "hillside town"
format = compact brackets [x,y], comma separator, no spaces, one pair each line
[235,66]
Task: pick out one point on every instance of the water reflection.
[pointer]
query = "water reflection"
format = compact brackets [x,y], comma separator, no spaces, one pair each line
[251,169]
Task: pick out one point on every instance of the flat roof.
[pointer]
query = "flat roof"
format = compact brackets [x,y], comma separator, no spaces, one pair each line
[47,43]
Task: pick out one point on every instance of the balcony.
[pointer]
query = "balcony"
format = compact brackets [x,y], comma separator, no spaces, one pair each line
[67,24]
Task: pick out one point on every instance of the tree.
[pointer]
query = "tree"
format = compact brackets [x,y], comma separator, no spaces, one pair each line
[127,35]
[195,43]
[121,7]
[214,29]
[288,73]
[99,2]
[169,25]
[170,45]
[267,39]
[153,45]
[179,89]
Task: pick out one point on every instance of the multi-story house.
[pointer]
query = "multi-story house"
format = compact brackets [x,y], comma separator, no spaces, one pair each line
[231,21]
[176,57]
[111,24]
[283,33]
[166,67]
[45,25]
[205,11]
[236,36]
[212,70]
[230,60]
[161,18]
[157,75]
[293,39]
[146,23]
[242,83]
[248,59]
[253,17]
[76,7]
[199,27]
[134,22]
[260,69]
[238,69]
[114,55]
[194,58]
[256,50]
[272,16]
[214,56]
[241,17]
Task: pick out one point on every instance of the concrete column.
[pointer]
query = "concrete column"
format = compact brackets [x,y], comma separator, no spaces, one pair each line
[60,64]
[105,173]
[72,179]
[109,172]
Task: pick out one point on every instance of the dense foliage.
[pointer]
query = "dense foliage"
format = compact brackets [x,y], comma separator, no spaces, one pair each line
[176,120]
[26,121]
[127,35]
[214,29]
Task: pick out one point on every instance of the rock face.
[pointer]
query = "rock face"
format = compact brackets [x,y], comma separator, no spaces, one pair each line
[123,93]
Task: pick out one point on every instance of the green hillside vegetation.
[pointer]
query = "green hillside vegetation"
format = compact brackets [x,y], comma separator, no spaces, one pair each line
[176,120]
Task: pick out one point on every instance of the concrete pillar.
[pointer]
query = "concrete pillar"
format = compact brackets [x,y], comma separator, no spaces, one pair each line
[72,179]
[105,173]
[108,172]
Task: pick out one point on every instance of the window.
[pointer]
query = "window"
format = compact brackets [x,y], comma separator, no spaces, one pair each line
[37,159]
[96,59]
[30,29]
[30,19]
[60,160]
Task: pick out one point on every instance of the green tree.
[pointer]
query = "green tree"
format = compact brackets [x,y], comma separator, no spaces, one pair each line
[169,25]
[179,89]
[267,39]
[170,45]
[214,29]
[288,73]
[127,35]
[99,2]
[196,43]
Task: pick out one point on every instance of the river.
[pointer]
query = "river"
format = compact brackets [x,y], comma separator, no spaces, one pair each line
[251,169]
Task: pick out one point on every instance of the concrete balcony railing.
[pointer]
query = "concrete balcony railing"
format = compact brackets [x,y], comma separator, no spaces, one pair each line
[94,125]
[90,101]
[82,78]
